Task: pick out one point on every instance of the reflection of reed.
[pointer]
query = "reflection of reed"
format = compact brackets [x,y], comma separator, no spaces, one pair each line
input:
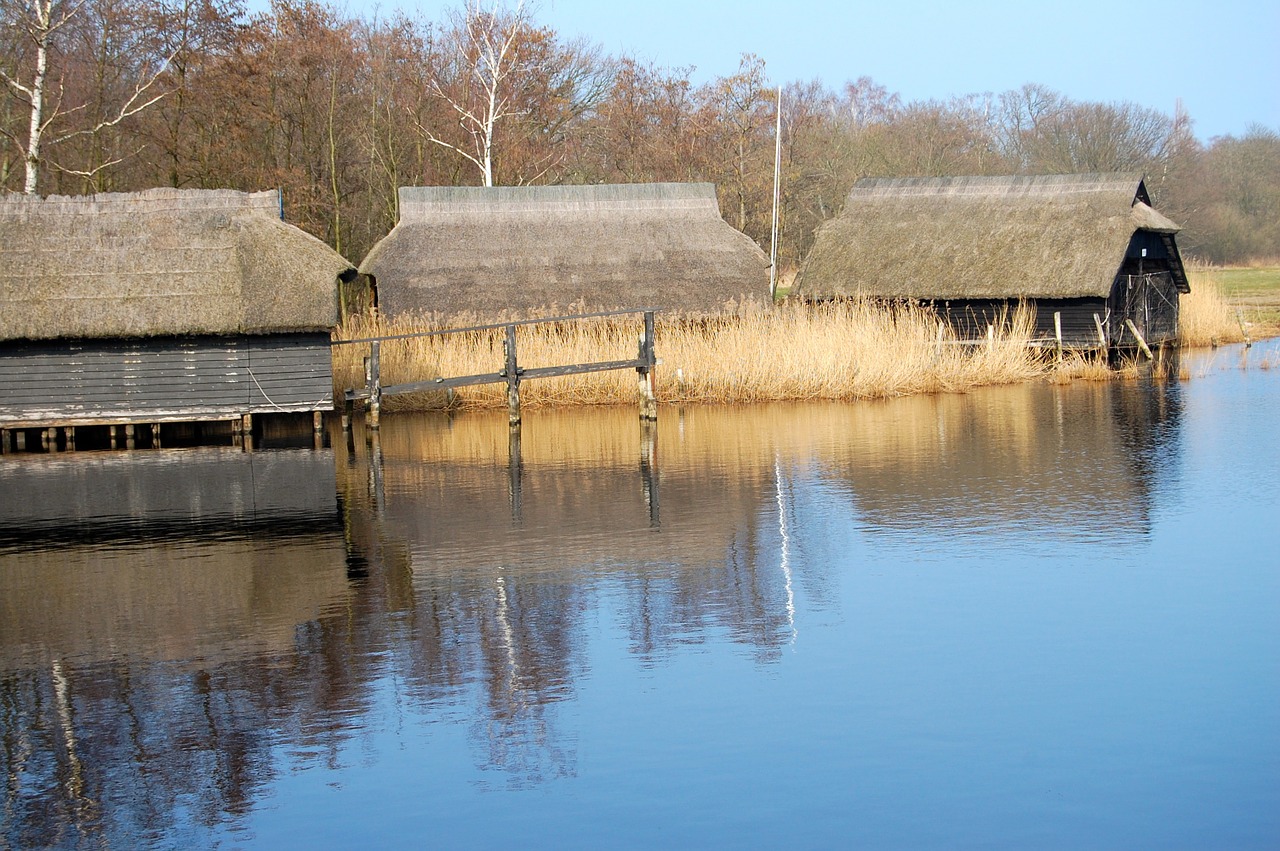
[1056,458]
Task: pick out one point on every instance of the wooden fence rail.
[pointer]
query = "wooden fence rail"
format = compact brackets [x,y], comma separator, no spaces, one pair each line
[511,372]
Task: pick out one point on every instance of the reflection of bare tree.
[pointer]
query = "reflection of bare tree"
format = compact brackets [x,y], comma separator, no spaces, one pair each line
[709,557]
[149,665]
[144,748]
[529,664]
[121,753]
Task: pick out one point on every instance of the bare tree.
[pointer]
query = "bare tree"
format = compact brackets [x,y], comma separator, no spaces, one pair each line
[486,57]
[743,111]
[42,23]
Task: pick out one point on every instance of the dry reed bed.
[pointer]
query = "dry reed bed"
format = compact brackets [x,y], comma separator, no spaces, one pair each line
[838,351]
[1204,316]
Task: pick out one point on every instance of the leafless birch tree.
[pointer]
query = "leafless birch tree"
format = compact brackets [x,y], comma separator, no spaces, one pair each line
[41,24]
[485,61]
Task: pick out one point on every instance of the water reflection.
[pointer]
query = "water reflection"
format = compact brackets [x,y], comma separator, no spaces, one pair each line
[154,627]
[1036,461]
[179,627]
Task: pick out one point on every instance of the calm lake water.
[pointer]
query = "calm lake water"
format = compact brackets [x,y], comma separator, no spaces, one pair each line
[1024,617]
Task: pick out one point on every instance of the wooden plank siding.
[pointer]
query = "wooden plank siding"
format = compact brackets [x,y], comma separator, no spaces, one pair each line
[970,317]
[162,379]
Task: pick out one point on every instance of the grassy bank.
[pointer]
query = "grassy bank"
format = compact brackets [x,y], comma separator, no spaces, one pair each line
[1226,305]
[837,352]
[1256,291]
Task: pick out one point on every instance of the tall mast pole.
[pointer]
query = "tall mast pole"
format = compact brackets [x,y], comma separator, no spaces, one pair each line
[777,188]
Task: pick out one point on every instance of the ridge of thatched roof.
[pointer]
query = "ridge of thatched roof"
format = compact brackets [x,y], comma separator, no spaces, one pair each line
[494,250]
[160,262]
[1048,236]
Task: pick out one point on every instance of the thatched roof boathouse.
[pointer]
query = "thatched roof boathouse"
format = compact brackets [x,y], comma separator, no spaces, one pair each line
[502,250]
[1079,245]
[161,306]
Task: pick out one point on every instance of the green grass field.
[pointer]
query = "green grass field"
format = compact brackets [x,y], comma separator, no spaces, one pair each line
[1254,289]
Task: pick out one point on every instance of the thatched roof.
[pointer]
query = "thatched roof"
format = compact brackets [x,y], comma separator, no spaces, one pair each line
[1057,236]
[512,249]
[160,262]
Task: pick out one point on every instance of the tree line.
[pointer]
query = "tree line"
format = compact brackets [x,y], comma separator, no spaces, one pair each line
[338,111]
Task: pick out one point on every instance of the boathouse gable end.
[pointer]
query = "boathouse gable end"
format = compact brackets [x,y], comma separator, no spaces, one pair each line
[1087,247]
[165,305]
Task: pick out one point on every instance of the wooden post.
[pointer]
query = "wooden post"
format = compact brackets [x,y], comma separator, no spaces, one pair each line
[649,469]
[130,436]
[1057,332]
[70,432]
[1142,344]
[1102,334]
[648,395]
[20,441]
[1243,328]
[4,441]
[377,485]
[515,473]
[155,435]
[114,432]
[512,373]
[374,379]
[246,431]
[49,439]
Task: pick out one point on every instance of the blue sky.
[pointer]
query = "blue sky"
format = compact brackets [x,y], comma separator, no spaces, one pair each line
[1221,58]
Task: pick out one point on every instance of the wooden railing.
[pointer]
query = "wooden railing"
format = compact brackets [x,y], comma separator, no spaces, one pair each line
[511,372]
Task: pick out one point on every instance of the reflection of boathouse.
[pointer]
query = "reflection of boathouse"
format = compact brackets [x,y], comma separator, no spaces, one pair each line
[1086,247]
[155,620]
[161,306]
[170,556]
[1034,461]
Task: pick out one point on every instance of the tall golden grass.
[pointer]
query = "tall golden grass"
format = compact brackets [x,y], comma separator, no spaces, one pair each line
[1204,316]
[838,351]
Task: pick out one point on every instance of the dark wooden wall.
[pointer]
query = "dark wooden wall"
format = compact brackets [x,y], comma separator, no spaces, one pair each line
[1150,300]
[970,317]
[163,378]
